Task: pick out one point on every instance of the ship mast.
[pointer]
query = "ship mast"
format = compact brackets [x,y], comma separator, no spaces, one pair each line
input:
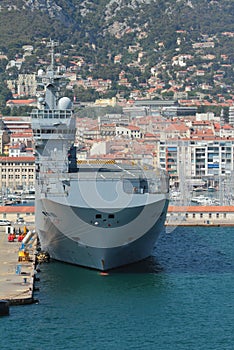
[52,80]
[51,44]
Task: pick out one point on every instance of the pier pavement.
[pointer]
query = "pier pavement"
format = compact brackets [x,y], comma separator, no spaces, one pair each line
[16,278]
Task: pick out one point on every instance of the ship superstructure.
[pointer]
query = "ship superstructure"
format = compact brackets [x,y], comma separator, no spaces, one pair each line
[95,214]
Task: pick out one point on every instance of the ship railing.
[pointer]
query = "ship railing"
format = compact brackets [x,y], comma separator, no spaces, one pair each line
[55,194]
[48,191]
[51,174]
[49,181]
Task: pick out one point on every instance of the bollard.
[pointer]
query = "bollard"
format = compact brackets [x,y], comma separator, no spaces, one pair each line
[4,308]
[18,269]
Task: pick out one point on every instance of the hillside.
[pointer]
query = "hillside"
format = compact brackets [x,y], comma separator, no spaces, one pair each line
[137,36]
[111,26]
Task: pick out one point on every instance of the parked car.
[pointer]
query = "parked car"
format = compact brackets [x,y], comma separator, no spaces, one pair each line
[5,223]
[20,220]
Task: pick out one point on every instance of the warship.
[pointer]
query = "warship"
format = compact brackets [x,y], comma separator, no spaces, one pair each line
[95,214]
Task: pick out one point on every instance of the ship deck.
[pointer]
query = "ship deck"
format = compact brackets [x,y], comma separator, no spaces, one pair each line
[133,177]
[109,171]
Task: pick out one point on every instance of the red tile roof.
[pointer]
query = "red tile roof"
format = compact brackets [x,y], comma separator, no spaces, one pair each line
[21,102]
[17,209]
[200,208]
[227,127]
[133,127]
[17,159]
[25,134]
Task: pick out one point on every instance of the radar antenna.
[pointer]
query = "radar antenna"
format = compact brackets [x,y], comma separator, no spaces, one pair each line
[52,45]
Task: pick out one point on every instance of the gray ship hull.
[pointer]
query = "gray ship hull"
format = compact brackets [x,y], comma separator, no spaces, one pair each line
[68,235]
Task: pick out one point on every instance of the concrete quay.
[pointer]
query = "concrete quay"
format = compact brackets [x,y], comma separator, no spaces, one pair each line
[16,278]
[192,223]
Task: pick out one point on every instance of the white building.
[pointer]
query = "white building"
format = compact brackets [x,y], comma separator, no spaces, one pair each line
[130,131]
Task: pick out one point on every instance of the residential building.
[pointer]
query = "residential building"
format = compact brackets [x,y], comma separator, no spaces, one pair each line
[91,134]
[197,159]
[24,138]
[231,115]
[17,172]
[20,103]
[114,118]
[27,85]
[17,124]
[4,139]
[130,131]
[212,158]
[107,130]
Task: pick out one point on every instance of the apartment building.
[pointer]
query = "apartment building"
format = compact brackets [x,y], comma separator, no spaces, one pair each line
[212,158]
[231,115]
[130,131]
[197,158]
[17,124]
[17,172]
[26,85]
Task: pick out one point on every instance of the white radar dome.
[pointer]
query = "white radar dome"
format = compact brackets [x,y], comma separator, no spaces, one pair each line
[64,103]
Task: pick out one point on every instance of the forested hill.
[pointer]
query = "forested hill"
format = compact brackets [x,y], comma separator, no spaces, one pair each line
[100,29]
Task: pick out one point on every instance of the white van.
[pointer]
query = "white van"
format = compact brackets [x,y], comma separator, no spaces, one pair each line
[5,223]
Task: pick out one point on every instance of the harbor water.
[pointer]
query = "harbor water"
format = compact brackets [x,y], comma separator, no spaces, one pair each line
[182,298]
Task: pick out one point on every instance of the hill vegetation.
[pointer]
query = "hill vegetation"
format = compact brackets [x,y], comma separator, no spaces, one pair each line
[142,33]
[99,28]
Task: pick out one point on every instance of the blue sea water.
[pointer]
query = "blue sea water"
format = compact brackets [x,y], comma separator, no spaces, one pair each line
[180,299]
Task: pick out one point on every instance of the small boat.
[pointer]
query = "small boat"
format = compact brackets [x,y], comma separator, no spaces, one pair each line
[201,200]
[212,189]
[198,189]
